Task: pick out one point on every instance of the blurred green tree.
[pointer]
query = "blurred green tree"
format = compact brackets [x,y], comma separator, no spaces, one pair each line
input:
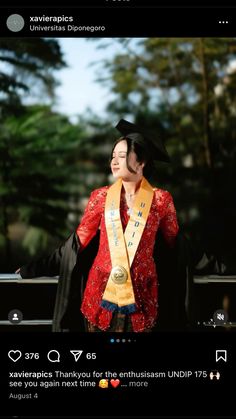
[187,81]
[27,69]
[38,175]
[183,90]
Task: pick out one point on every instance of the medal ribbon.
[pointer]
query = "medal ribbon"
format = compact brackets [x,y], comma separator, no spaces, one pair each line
[119,295]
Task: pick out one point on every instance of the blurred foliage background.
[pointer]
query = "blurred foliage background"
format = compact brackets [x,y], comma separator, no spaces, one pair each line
[183,90]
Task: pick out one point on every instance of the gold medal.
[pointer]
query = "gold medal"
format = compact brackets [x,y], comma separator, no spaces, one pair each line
[119,275]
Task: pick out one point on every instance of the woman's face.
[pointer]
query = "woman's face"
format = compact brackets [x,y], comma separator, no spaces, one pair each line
[119,166]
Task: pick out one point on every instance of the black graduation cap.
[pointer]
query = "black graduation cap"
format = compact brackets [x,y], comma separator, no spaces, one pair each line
[157,148]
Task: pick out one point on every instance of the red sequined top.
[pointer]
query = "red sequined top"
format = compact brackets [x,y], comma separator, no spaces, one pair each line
[143,270]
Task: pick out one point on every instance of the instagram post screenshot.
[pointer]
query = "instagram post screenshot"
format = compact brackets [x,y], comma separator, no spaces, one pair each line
[118,210]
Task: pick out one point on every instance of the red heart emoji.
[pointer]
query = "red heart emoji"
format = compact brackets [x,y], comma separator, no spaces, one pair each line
[115,382]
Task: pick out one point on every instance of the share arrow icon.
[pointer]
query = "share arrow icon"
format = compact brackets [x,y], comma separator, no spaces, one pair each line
[76,354]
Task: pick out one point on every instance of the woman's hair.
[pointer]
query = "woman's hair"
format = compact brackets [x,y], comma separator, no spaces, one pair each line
[136,143]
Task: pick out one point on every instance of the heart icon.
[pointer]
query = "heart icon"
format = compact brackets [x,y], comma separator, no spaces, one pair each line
[14,355]
[115,382]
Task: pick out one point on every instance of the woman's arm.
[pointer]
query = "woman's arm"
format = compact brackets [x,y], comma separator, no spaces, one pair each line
[50,265]
[169,224]
[91,219]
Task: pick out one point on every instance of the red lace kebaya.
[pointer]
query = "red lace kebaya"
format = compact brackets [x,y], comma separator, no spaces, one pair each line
[162,216]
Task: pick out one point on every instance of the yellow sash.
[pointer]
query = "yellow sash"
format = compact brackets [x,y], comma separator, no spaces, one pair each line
[119,294]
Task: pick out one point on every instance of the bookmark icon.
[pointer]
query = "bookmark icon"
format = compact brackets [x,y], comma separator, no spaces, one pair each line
[221,354]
